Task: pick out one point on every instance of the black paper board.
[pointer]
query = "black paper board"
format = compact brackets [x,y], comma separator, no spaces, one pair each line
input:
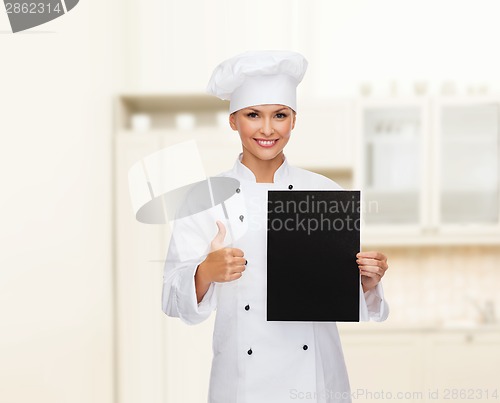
[312,241]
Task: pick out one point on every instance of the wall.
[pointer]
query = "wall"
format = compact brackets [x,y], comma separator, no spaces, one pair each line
[441,285]
[56,80]
[173,46]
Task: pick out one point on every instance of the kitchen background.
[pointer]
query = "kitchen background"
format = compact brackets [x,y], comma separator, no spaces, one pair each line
[401,99]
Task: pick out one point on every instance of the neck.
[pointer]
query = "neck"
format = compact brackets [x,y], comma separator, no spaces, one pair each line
[262,169]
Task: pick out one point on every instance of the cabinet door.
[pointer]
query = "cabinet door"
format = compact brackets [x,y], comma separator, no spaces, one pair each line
[468,165]
[392,163]
[139,251]
[463,366]
[383,364]
[323,136]
[187,355]
[159,359]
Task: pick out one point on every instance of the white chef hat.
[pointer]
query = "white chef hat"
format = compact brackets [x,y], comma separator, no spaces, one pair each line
[259,78]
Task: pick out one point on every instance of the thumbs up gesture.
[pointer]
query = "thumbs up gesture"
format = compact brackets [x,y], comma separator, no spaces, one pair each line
[218,242]
[221,264]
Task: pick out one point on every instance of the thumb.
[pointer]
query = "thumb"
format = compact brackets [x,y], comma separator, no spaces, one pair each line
[218,240]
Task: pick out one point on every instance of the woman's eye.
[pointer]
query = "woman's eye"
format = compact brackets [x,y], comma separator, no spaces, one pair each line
[252,115]
[281,115]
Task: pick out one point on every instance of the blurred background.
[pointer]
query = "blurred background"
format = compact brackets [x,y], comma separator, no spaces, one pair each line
[401,100]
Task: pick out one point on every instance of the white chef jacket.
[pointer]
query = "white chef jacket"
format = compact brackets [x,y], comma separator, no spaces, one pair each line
[256,361]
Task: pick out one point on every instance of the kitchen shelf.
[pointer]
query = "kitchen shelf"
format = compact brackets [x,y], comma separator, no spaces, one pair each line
[162,109]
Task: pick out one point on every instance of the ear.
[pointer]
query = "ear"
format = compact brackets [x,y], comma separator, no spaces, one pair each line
[294,118]
[232,121]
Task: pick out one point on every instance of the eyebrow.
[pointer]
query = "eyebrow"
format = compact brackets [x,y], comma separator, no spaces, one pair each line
[277,110]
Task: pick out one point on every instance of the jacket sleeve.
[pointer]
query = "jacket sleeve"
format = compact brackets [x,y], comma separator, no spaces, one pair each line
[179,292]
[372,304]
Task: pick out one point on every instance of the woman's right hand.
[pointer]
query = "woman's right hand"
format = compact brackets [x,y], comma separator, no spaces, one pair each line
[221,264]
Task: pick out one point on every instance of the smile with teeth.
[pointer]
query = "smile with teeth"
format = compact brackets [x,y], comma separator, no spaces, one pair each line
[266,143]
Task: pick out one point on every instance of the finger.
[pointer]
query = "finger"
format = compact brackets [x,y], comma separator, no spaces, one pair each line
[372,255]
[372,262]
[235,276]
[218,241]
[237,252]
[240,261]
[237,269]
[372,269]
[370,274]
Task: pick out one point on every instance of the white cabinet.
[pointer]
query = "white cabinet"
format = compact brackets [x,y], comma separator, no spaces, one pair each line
[463,366]
[138,277]
[175,45]
[415,365]
[391,168]
[466,161]
[323,136]
[382,363]
[159,359]
[429,170]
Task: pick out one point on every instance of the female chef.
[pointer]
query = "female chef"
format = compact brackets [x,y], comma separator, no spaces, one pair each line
[256,361]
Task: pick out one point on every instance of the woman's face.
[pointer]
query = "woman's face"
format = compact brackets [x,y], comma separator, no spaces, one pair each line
[264,129]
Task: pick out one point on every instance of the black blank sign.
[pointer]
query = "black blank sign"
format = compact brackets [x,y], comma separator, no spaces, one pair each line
[312,241]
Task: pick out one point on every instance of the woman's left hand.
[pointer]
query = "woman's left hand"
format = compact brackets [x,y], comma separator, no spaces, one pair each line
[372,266]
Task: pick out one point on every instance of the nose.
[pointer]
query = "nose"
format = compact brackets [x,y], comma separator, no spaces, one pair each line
[266,128]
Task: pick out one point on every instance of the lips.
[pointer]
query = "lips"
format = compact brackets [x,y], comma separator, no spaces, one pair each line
[266,143]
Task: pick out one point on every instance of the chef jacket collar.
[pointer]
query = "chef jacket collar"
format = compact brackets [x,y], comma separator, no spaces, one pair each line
[242,171]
